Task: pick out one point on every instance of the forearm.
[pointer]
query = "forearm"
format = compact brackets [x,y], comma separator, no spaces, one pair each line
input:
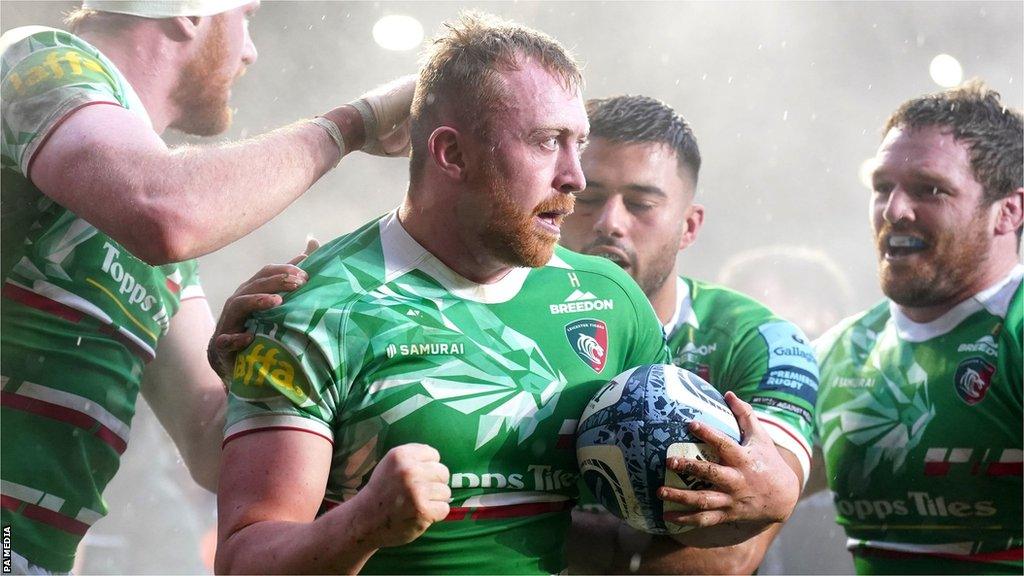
[665,555]
[201,453]
[202,198]
[600,543]
[335,543]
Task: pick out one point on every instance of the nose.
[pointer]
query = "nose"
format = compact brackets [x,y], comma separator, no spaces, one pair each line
[249,53]
[897,206]
[611,219]
[569,178]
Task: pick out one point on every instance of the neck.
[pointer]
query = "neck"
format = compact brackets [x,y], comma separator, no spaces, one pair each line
[143,55]
[664,298]
[430,217]
[995,270]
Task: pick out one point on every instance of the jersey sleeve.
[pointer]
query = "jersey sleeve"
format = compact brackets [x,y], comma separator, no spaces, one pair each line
[47,76]
[775,371]
[285,379]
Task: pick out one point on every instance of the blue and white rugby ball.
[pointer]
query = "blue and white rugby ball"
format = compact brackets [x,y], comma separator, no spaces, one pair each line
[632,425]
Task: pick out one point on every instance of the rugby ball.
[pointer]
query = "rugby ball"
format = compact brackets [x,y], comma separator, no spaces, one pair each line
[632,425]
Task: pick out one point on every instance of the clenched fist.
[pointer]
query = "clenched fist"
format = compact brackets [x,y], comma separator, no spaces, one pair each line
[407,492]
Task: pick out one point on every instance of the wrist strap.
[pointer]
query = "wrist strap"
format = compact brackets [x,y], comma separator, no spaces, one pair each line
[333,131]
[369,120]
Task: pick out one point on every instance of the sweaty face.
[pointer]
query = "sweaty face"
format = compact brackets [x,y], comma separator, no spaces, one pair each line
[932,230]
[204,86]
[633,210]
[527,169]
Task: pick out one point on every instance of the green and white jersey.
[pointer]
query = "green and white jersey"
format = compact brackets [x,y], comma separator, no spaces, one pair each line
[920,425]
[385,345]
[80,314]
[738,344]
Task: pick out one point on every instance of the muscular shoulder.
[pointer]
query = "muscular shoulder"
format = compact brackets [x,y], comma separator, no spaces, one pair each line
[859,332]
[600,271]
[340,272]
[720,308]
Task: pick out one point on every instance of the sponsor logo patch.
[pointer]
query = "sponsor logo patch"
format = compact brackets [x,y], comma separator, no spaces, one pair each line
[589,339]
[581,301]
[266,369]
[972,379]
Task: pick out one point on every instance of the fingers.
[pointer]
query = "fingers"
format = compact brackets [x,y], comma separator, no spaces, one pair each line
[311,245]
[232,343]
[726,448]
[696,500]
[697,519]
[722,477]
[750,428]
[276,269]
[238,308]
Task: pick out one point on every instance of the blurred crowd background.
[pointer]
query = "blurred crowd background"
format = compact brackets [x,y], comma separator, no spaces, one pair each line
[787,101]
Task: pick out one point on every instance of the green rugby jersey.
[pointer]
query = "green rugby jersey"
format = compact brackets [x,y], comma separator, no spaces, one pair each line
[80,314]
[384,345]
[920,425]
[738,344]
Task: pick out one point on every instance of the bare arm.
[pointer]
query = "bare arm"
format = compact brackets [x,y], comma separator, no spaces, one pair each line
[166,205]
[185,393]
[273,483]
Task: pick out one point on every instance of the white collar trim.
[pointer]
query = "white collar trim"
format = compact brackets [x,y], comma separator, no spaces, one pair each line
[403,253]
[684,309]
[995,299]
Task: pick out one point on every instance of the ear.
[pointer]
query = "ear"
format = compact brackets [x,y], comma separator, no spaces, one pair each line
[1010,214]
[185,27]
[694,220]
[445,151]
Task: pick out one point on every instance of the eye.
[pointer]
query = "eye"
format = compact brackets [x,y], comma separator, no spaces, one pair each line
[639,206]
[550,144]
[882,188]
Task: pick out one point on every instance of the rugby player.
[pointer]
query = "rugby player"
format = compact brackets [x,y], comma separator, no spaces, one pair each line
[919,413]
[638,210]
[99,222]
[411,407]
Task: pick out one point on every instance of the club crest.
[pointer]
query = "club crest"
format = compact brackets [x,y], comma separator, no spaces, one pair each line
[972,379]
[589,339]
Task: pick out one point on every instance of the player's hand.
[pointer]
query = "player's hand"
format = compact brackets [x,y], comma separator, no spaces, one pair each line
[752,483]
[407,492]
[385,112]
[255,294]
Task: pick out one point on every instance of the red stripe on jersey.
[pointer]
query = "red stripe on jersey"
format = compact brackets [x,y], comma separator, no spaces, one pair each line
[1005,469]
[44,515]
[33,300]
[173,286]
[936,468]
[39,302]
[254,430]
[508,511]
[800,442]
[66,415]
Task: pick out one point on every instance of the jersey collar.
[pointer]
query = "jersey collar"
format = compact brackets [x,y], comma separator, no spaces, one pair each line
[684,309]
[995,299]
[403,253]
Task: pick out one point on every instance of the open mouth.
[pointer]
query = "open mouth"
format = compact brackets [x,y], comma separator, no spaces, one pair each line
[614,254]
[552,220]
[903,245]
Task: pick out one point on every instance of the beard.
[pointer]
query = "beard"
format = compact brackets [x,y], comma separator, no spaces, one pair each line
[202,94]
[509,233]
[650,276]
[949,263]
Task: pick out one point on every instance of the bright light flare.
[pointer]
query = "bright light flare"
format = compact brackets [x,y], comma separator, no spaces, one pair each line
[398,32]
[946,71]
